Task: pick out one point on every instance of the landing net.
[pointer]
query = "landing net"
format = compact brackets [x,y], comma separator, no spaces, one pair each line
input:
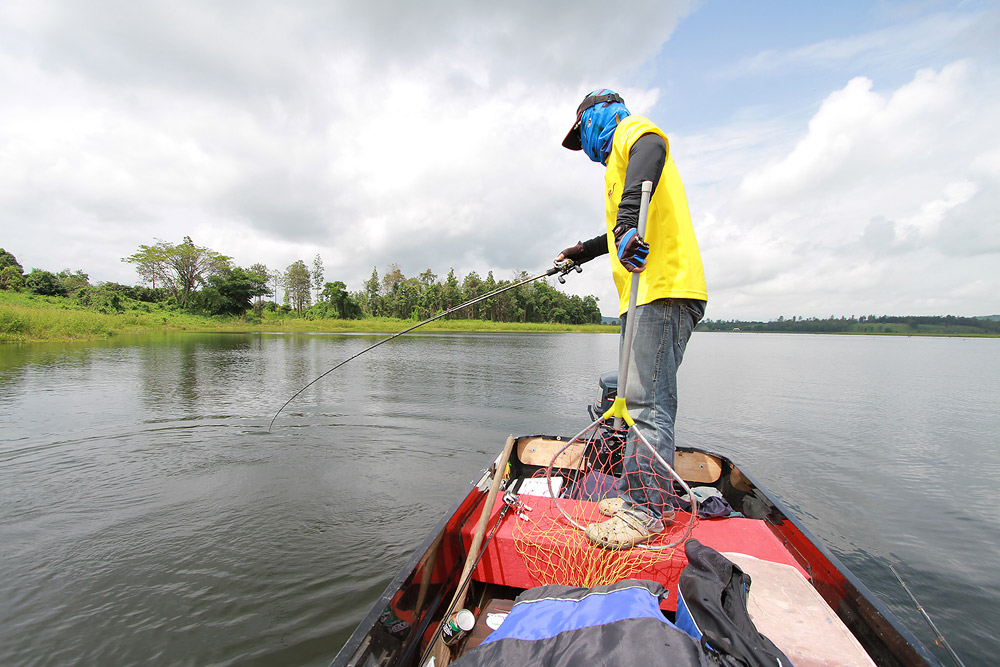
[564,495]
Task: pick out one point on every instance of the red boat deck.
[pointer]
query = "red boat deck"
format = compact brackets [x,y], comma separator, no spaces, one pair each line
[520,544]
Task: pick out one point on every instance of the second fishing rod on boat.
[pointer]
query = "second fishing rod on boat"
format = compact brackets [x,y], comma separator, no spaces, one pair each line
[561,268]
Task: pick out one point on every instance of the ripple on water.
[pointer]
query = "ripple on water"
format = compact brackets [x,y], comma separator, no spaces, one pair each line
[148,515]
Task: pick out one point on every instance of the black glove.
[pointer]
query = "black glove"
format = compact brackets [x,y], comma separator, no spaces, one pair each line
[632,250]
[573,252]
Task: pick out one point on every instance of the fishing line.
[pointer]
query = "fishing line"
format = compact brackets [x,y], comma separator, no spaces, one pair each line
[562,268]
[939,638]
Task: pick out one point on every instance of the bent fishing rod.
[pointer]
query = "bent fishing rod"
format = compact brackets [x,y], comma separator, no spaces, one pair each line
[562,268]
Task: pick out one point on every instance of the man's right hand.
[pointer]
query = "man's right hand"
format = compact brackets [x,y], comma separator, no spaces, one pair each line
[571,253]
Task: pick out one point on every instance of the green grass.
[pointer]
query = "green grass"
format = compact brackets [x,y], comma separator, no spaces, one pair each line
[29,318]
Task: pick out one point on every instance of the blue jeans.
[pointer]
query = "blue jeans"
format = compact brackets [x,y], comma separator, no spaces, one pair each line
[661,332]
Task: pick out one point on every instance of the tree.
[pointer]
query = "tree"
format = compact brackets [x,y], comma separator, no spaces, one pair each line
[592,312]
[45,283]
[181,268]
[430,300]
[11,278]
[277,282]
[260,271]
[230,292]
[472,288]
[428,278]
[452,292]
[151,262]
[405,298]
[73,282]
[297,285]
[341,303]
[192,264]
[489,305]
[317,274]
[7,259]
[391,280]
[371,296]
[11,271]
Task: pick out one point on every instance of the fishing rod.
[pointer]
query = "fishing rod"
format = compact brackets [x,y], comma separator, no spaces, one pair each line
[510,500]
[562,268]
[939,639]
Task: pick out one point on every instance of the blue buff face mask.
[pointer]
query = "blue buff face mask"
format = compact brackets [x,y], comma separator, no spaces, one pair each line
[597,127]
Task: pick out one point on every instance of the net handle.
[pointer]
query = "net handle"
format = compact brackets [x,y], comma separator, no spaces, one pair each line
[633,296]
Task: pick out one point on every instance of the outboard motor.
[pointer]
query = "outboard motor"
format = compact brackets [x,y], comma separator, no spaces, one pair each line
[608,384]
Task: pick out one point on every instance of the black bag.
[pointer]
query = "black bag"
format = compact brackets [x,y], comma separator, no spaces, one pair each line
[713,605]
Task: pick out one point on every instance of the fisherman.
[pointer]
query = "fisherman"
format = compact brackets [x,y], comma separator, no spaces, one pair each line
[671,300]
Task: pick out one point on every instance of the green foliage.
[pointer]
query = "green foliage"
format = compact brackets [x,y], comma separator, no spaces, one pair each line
[198,279]
[422,297]
[45,283]
[14,325]
[317,274]
[138,292]
[260,270]
[370,300]
[103,299]
[73,282]
[31,317]
[11,278]
[297,285]
[870,324]
[230,292]
[25,317]
[181,268]
[7,259]
[335,302]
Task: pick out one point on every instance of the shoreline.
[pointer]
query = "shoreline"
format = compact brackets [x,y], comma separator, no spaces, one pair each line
[26,318]
[389,327]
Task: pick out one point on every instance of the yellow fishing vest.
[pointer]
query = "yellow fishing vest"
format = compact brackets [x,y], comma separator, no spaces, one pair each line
[673,268]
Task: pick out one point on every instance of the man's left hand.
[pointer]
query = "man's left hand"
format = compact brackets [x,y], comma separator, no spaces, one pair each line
[632,250]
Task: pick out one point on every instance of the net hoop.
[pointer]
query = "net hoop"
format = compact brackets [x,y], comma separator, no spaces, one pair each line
[677,478]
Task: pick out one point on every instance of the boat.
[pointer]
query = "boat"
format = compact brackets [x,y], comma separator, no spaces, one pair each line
[513,531]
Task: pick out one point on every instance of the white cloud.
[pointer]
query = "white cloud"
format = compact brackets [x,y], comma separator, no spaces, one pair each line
[870,210]
[428,134]
[425,134]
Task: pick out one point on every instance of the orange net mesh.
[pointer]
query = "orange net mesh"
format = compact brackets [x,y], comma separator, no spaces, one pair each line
[550,536]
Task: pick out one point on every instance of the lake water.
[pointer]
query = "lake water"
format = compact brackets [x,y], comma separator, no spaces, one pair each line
[148,516]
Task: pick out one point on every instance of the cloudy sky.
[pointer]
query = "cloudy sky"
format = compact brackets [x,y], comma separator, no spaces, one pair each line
[840,158]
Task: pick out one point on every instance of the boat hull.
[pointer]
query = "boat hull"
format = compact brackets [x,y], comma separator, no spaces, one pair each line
[406,618]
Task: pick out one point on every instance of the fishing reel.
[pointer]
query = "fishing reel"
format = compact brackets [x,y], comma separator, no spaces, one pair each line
[514,502]
[563,267]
